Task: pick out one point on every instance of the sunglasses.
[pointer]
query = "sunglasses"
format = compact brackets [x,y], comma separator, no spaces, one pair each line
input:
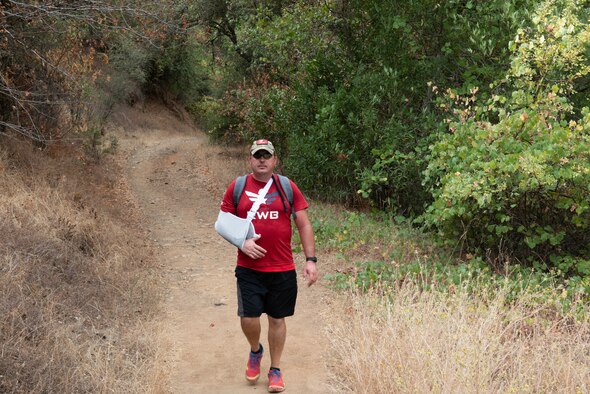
[264,155]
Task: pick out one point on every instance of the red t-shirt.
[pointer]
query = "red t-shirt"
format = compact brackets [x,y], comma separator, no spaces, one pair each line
[272,222]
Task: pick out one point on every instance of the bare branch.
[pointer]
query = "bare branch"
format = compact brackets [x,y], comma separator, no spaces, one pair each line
[47,56]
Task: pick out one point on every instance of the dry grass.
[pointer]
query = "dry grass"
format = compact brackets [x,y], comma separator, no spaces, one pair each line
[77,285]
[431,342]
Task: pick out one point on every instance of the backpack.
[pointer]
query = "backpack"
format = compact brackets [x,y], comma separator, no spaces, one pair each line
[284,183]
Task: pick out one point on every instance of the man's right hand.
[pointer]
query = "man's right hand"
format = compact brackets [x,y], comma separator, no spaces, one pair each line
[252,249]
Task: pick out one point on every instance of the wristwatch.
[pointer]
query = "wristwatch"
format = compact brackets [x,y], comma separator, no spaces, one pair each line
[312,258]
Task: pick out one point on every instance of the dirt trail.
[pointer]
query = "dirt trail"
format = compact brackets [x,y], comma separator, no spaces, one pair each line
[179,179]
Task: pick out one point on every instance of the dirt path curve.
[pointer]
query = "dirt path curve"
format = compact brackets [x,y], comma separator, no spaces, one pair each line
[179,179]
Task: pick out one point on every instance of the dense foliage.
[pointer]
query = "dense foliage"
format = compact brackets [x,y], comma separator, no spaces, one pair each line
[465,115]
[513,174]
[353,79]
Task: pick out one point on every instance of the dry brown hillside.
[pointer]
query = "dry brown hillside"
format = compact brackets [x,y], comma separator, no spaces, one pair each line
[79,284]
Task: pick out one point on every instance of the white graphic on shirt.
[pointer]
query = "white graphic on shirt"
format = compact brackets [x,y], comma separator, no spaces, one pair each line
[267,215]
[254,197]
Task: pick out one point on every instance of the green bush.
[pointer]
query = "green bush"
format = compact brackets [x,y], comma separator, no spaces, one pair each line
[377,255]
[520,186]
[394,182]
[291,43]
[125,75]
[287,48]
[208,113]
[179,68]
[255,107]
[346,129]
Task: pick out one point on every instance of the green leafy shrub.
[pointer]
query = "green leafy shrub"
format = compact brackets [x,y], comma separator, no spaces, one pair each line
[292,42]
[379,256]
[253,107]
[288,48]
[209,114]
[351,121]
[519,186]
[394,181]
[180,69]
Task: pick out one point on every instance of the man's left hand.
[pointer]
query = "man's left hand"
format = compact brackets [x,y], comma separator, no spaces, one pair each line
[310,272]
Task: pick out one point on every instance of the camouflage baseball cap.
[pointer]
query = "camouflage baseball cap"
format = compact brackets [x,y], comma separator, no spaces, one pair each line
[262,145]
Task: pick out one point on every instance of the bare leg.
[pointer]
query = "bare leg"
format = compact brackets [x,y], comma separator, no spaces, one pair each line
[277,334]
[251,329]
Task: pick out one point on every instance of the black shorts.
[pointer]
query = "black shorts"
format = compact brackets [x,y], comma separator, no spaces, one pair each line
[273,293]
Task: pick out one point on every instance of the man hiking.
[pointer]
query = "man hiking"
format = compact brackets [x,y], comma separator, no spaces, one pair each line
[265,271]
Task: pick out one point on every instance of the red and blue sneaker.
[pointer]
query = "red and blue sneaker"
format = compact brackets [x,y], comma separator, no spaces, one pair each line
[275,381]
[253,366]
